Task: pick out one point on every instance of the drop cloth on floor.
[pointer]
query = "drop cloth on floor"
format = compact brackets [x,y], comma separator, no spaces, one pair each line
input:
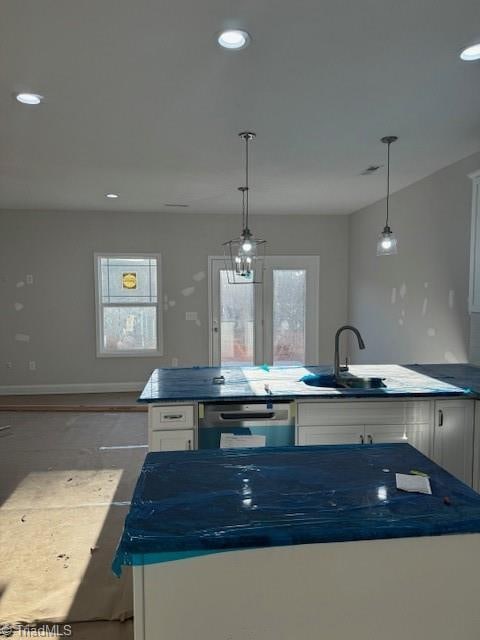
[63,500]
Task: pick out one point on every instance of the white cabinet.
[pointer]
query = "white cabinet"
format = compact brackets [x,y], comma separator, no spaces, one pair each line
[360,422]
[338,434]
[453,437]
[474,293]
[418,435]
[177,440]
[171,427]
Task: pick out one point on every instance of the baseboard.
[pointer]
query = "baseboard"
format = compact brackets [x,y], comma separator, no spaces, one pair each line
[44,389]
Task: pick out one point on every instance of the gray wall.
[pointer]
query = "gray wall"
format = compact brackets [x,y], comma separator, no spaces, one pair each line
[413,307]
[58,308]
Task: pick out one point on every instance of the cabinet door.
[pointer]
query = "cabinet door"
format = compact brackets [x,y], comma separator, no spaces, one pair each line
[453,437]
[418,435]
[179,440]
[338,434]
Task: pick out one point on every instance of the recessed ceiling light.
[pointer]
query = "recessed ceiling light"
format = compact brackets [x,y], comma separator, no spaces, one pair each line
[471,53]
[29,98]
[234,39]
[112,196]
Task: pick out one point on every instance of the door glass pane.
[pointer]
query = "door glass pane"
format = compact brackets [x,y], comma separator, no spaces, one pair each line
[129,328]
[236,322]
[289,316]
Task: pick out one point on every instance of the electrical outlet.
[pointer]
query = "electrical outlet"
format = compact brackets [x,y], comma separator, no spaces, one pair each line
[191,315]
[29,279]
[32,365]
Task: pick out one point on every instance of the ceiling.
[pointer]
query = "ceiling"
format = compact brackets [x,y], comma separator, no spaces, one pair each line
[140,100]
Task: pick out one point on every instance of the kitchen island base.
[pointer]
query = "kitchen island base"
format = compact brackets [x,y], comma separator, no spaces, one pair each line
[422,587]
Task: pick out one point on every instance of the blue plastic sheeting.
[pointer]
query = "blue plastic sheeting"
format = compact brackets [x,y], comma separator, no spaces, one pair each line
[197,383]
[193,503]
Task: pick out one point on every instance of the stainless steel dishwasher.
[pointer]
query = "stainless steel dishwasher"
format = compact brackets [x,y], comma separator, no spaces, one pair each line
[270,424]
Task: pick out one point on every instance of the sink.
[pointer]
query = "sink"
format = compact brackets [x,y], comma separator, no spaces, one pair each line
[325,382]
[345,382]
[361,383]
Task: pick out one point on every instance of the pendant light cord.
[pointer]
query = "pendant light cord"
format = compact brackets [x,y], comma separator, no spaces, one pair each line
[388,179]
[243,208]
[247,138]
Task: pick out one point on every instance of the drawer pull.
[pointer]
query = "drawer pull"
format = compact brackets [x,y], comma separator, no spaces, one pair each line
[370,439]
[189,445]
[173,416]
[362,439]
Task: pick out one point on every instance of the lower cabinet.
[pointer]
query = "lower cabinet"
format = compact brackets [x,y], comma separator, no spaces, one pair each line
[418,435]
[338,434]
[177,440]
[359,422]
[442,429]
[453,439]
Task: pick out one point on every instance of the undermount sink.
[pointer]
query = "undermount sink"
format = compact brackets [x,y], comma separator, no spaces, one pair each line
[362,383]
[345,382]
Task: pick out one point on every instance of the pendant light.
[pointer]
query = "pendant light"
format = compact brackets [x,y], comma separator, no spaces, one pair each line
[244,256]
[387,242]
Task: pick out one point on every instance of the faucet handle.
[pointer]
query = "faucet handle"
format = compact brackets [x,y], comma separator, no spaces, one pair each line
[345,366]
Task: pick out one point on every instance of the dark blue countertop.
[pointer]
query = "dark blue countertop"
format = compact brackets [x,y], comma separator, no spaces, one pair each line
[249,383]
[194,503]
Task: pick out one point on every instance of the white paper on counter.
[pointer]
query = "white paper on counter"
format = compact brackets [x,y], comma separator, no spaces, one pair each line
[232,441]
[413,483]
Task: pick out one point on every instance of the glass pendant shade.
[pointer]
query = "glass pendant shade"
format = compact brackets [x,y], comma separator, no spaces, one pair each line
[387,243]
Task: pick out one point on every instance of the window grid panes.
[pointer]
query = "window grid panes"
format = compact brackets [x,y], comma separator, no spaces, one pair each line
[128,305]
[129,280]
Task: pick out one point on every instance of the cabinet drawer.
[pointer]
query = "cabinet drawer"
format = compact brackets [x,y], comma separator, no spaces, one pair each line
[360,412]
[172,417]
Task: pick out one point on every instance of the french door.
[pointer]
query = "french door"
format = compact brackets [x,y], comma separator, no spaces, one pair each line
[275,322]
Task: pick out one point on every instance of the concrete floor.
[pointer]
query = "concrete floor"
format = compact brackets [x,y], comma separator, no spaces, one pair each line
[66,479]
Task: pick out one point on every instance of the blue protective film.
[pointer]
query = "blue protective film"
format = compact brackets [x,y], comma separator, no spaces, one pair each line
[194,503]
[289,382]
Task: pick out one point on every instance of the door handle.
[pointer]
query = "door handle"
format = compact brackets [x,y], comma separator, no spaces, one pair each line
[189,445]
[362,439]
[370,439]
[440,418]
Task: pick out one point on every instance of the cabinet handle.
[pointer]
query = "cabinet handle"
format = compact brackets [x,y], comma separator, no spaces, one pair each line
[189,445]
[370,439]
[440,418]
[173,416]
[362,439]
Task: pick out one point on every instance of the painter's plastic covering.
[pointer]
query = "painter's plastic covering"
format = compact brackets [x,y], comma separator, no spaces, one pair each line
[194,503]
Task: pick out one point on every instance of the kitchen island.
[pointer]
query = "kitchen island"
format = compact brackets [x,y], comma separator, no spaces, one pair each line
[430,406]
[250,383]
[275,544]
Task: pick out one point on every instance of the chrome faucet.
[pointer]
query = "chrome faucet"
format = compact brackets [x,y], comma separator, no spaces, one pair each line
[337,368]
